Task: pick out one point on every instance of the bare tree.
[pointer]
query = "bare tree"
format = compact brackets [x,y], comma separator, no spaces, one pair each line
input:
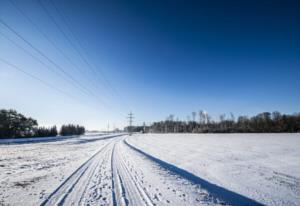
[222,122]
[188,118]
[263,122]
[206,117]
[232,117]
[201,117]
[222,117]
[194,116]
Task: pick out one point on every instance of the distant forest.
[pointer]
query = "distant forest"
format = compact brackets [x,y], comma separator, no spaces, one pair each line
[14,124]
[202,122]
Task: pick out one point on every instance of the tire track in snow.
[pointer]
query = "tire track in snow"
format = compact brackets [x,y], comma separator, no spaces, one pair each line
[58,196]
[98,188]
[129,192]
[146,183]
[114,203]
[120,174]
[161,186]
[119,194]
[215,194]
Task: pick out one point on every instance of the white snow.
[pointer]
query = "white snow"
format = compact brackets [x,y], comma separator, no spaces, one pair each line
[263,167]
[28,172]
[152,169]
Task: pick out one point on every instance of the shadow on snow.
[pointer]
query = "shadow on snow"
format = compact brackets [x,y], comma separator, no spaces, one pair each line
[224,194]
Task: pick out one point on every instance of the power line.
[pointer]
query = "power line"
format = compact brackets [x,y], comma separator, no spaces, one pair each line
[26,51]
[63,32]
[31,75]
[36,78]
[70,77]
[66,37]
[41,53]
[50,41]
[47,37]
[47,84]
[63,17]
[34,57]
[30,54]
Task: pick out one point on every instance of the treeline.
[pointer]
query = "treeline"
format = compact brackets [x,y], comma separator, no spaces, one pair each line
[45,132]
[14,124]
[72,130]
[135,129]
[262,123]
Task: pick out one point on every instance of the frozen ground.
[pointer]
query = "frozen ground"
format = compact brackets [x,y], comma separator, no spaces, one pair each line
[263,167]
[152,170]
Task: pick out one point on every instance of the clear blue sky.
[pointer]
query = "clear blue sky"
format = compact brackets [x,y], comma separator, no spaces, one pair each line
[162,57]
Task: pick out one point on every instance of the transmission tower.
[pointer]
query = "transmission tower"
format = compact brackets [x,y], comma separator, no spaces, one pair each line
[130,120]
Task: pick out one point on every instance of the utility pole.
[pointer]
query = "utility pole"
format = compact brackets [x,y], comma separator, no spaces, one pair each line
[130,120]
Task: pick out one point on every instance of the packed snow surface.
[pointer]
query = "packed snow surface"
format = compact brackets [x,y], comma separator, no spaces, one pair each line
[152,169]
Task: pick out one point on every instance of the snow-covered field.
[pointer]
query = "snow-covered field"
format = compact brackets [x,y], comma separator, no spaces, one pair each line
[263,167]
[153,169]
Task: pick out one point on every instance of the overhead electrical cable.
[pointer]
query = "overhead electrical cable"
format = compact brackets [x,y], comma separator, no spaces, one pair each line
[45,83]
[49,39]
[70,77]
[37,78]
[50,16]
[93,69]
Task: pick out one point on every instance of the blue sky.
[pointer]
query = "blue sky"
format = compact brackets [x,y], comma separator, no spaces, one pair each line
[161,57]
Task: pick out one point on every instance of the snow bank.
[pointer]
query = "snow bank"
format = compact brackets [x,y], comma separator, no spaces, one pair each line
[33,139]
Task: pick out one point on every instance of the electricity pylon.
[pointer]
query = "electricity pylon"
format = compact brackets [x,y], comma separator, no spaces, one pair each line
[130,120]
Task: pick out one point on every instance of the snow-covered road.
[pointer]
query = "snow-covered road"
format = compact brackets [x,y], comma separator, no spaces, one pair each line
[103,171]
